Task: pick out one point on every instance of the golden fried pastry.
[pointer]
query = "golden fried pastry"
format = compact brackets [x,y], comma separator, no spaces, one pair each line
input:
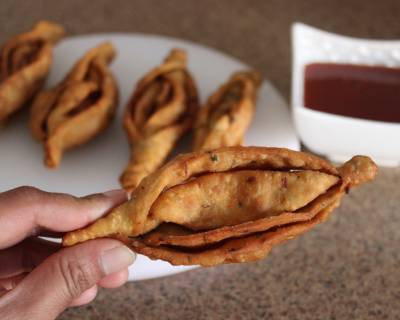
[224,119]
[158,114]
[228,205]
[24,64]
[78,108]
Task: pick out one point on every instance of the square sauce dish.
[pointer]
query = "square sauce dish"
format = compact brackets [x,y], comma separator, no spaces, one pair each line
[346,95]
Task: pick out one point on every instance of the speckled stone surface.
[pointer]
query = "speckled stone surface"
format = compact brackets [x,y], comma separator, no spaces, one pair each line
[347,268]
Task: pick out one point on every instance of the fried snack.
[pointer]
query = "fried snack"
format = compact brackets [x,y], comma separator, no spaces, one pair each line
[158,114]
[229,205]
[78,108]
[24,64]
[224,119]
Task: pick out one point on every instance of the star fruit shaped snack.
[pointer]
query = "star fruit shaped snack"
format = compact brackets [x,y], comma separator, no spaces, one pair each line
[159,113]
[24,64]
[229,205]
[224,119]
[79,107]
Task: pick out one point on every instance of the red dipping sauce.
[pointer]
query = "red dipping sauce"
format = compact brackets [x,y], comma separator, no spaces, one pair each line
[367,92]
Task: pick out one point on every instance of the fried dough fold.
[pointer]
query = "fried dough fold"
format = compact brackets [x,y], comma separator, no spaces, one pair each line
[24,64]
[224,119]
[79,107]
[158,114]
[228,205]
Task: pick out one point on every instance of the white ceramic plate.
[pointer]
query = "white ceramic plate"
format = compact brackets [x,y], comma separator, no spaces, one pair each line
[96,166]
[336,136]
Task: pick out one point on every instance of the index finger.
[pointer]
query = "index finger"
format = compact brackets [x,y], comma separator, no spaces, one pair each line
[25,211]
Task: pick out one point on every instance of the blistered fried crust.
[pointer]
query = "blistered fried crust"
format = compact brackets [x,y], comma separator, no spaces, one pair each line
[78,108]
[24,64]
[167,217]
[224,119]
[173,234]
[158,114]
[230,198]
[245,249]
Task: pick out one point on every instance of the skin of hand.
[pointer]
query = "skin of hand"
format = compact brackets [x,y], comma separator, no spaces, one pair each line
[38,278]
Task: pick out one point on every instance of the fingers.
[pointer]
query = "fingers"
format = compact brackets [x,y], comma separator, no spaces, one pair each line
[114,280]
[87,296]
[10,283]
[26,211]
[66,276]
[25,256]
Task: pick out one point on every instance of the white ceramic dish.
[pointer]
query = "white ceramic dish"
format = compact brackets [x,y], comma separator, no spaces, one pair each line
[96,166]
[340,137]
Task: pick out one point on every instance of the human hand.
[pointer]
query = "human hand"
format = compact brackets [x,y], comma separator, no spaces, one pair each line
[39,279]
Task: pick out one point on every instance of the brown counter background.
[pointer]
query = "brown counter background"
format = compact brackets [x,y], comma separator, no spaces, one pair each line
[348,268]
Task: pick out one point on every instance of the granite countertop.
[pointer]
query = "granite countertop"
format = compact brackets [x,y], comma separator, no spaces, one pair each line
[347,268]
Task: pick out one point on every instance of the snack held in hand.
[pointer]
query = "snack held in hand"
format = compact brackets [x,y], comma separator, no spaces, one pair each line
[224,119]
[228,205]
[158,114]
[78,108]
[24,64]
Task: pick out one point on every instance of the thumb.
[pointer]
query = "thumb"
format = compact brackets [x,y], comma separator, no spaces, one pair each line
[63,277]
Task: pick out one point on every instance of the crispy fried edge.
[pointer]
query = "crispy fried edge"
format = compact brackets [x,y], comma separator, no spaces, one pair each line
[104,108]
[175,126]
[246,249]
[242,112]
[31,77]
[130,219]
[155,238]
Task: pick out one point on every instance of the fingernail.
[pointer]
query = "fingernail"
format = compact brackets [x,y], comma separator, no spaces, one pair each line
[116,259]
[119,194]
